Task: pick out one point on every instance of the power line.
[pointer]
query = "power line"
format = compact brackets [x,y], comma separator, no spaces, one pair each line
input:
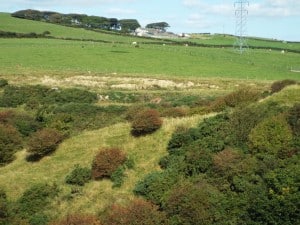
[241,14]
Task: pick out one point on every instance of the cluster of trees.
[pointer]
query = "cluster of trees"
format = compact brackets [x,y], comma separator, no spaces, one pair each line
[79,20]
[158,26]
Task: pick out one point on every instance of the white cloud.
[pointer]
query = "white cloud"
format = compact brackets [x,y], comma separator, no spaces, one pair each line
[275,8]
[263,8]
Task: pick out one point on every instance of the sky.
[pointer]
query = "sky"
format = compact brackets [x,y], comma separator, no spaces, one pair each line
[276,19]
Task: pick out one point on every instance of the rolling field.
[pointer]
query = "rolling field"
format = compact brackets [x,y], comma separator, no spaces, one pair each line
[47,56]
[54,56]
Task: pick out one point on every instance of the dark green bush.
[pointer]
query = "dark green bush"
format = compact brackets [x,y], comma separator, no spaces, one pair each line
[14,95]
[117,177]
[36,199]
[85,116]
[3,83]
[279,85]
[26,124]
[197,161]
[106,162]
[10,142]
[79,176]
[44,142]
[181,137]
[155,185]
[129,163]
[71,95]
[146,122]
[39,219]
[187,203]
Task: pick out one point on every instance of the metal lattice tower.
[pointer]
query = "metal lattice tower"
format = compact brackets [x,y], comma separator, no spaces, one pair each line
[241,14]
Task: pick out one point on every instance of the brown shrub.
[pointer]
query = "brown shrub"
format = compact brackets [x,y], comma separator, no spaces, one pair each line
[135,213]
[5,116]
[106,162]
[44,142]
[78,219]
[279,85]
[146,122]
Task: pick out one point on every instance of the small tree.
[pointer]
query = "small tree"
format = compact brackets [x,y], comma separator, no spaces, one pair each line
[44,142]
[146,122]
[106,162]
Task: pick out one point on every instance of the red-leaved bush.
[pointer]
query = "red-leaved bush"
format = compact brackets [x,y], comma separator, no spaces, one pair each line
[146,122]
[106,162]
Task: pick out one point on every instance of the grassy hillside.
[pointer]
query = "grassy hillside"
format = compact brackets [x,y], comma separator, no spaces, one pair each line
[47,56]
[18,25]
[95,196]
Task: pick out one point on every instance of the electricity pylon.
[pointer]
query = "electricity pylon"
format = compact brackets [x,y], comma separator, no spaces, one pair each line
[241,14]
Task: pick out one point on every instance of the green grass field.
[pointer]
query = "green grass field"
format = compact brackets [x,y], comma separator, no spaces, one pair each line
[46,56]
